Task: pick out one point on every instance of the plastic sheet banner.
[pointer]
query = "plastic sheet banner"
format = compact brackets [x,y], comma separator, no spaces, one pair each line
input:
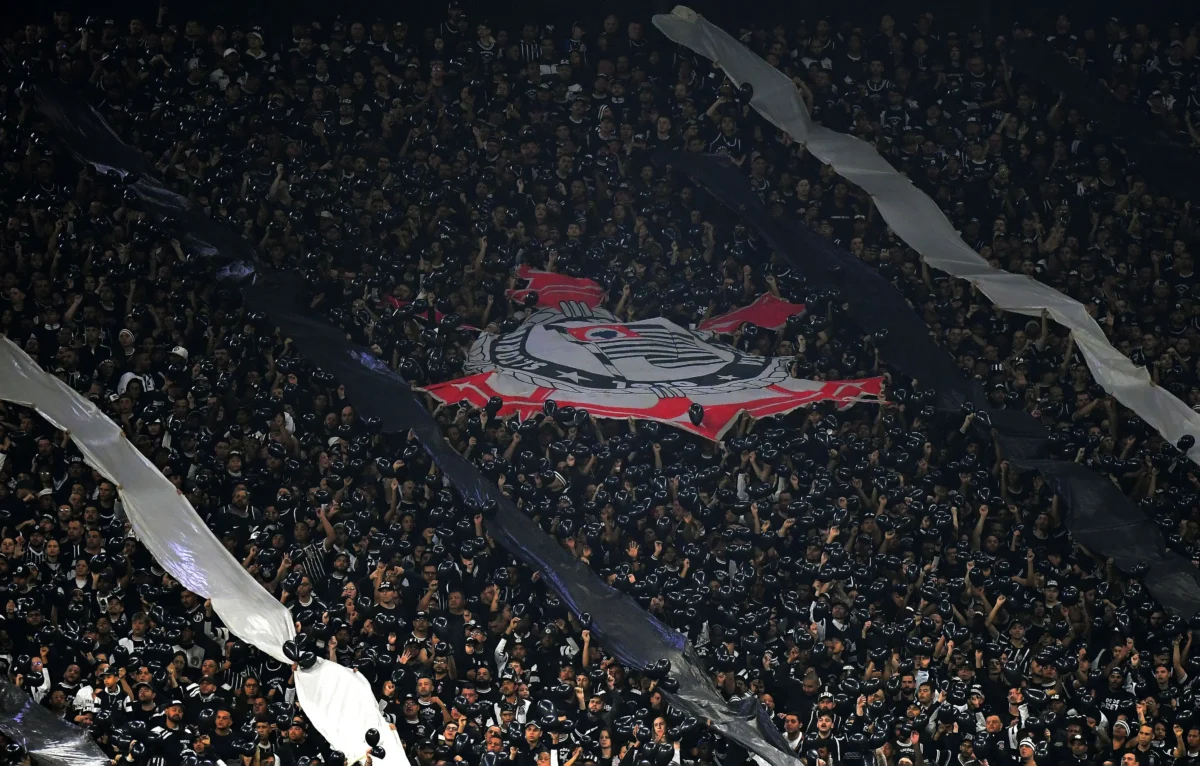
[1103,520]
[86,136]
[379,392]
[920,223]
[651,369]
[626,630]
[336,699]
[1098,515]
[339,705]
[49,739]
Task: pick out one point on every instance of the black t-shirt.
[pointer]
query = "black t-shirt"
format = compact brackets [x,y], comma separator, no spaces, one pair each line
[225,747]
[1113,701]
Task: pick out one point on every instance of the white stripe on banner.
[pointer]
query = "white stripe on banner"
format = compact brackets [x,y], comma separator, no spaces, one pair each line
[921,224]
[337,700]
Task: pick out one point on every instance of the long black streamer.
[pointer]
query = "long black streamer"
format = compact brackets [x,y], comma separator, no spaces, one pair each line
[1099,516]
[625,629]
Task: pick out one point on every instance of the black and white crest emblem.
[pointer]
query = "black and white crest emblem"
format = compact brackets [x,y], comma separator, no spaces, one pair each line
[590,350]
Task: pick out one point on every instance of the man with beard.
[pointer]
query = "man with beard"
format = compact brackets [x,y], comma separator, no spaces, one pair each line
[297,745]
[145,708]
[591,715]
[202,695]
[171,734]
[410,727]
[1114,699]
[508,694]
[445,686]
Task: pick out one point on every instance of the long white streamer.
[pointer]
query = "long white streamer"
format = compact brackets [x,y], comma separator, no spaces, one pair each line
[921,224]
[337,700]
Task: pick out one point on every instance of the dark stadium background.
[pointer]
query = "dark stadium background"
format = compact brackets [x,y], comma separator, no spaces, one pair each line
[275,16]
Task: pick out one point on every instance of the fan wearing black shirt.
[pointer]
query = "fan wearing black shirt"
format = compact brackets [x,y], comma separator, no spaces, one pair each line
[453,29]
[145,707]
[977,82]
[1113,699]
[896,119]
[727,140]
[223,741]
[485,49]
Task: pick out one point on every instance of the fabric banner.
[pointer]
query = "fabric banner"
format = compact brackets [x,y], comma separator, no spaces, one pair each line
[620,624]
[49,739]
[335,698]
[871,301]
[339,704]
[551,290]
[1097,514]
[920,223]
[651,369]
[766,311]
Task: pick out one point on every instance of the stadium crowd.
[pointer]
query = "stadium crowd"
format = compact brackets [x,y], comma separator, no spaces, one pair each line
[879,577]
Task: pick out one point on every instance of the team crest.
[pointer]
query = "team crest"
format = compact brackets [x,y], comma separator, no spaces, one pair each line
[653,369]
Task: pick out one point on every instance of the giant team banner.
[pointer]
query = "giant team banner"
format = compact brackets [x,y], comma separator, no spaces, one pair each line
[651,369]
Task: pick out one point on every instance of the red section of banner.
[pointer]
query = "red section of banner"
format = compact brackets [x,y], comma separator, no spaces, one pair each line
[770,400]
[767,311]
[555,289]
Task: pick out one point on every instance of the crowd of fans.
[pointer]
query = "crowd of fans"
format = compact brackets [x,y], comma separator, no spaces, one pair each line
[879,577]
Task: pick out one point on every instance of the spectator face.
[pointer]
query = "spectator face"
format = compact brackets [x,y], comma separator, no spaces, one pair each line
[1144,736]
